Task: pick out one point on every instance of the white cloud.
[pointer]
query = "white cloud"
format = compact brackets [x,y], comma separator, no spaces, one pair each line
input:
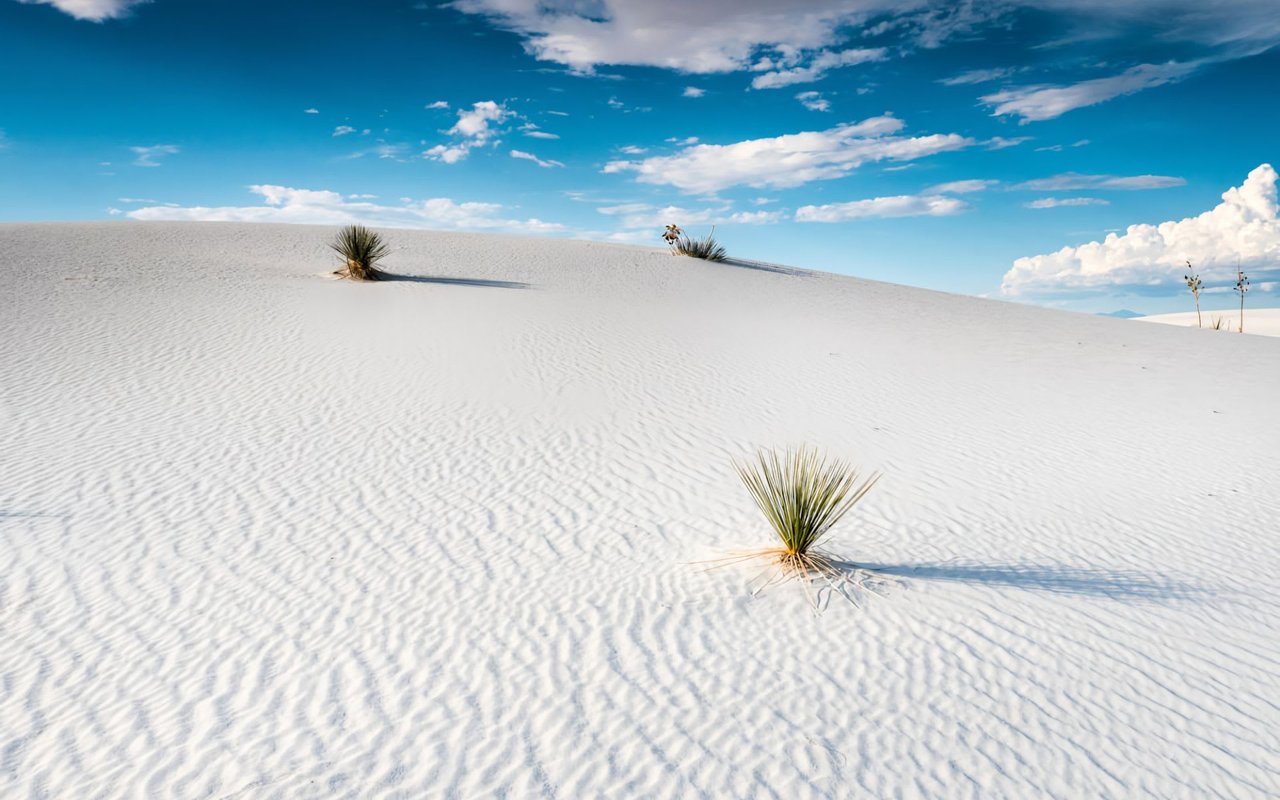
[439,104]
[531,157]
[92,10]
[284,204]
[814,101]
[1034,103]
[729,35]
[1058,202]
[343,130]
[474,124]
[961,187]
[1070,181]
[148,156]
[818,67]
[703,37]
[908,205]
[789,160]
[633,150]
[473,129]
[311,111]
[979,76]
[693,91]
[1000,143]
[1245,226]
[649,218]
[533,132]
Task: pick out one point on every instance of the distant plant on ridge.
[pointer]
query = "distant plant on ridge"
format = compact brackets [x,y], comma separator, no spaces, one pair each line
[1217,323]
[1194,284]
[361,249]
[1242,288]
[708,249]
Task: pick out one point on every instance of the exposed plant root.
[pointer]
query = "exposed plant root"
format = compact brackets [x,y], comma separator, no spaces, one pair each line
[814,570]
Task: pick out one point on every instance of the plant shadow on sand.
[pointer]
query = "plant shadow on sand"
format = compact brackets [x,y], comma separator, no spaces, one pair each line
[1115,584]
[764,266]
[480,282]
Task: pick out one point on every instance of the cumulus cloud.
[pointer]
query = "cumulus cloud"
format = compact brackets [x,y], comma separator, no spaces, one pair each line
[1035,103]
[473,129]
[1058,202]
[907,205]
[1072,181]
[439,104]
[818,67]
[311,111]
[1243,227]
[149,156]
[92,10]
[693,91]
[814,101]
[531,157]
[789,160]
[343,130]
[285,204]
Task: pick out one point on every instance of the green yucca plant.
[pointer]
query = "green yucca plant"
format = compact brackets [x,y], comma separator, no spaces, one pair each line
[361,249]
[707,248]
[802,495]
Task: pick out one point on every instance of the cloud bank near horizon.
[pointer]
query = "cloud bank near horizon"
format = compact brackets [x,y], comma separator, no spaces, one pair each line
[1243,228]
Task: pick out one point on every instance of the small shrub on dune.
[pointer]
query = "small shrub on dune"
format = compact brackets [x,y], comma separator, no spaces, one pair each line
[361,249]
[802,496]
[708,249]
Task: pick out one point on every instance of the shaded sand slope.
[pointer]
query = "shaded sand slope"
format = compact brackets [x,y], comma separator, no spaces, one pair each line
[269,535]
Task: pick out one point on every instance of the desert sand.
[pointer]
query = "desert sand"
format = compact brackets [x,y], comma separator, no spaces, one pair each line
[1258,321]
[268,534]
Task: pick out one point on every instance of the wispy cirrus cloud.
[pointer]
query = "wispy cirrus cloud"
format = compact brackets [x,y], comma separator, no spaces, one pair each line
[907,205]
[815,69]
[149,156]
[307,206]
[1042,102]
[961,187]
[520,154]
[1243,228]
[1060,202]
[974,76]
[789,160]
[1072,181]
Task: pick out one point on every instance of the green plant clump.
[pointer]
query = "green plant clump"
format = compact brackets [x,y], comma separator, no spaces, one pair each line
[708,248]
[361,249]
[803,495]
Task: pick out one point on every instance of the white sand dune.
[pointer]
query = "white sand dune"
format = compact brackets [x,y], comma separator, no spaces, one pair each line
[1258,321]
[264,534]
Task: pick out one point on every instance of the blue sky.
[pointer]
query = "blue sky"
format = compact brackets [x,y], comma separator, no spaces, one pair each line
[960,148]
